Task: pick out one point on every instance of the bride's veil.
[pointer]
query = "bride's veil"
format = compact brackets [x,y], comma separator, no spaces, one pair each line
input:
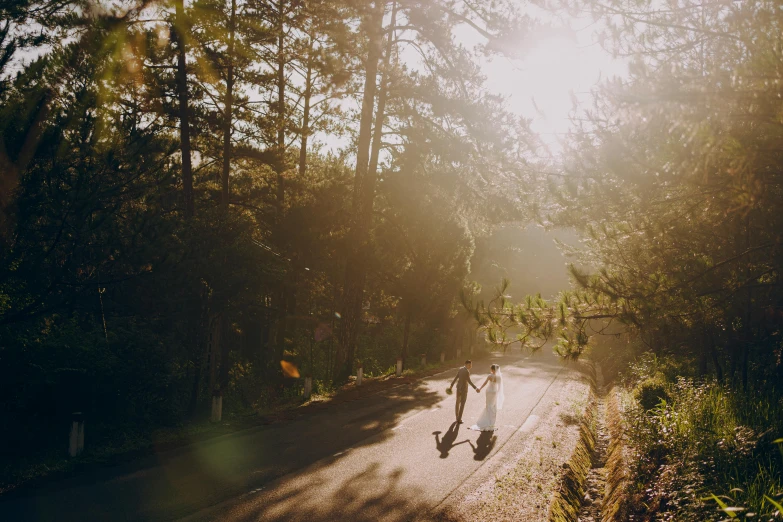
[501,395]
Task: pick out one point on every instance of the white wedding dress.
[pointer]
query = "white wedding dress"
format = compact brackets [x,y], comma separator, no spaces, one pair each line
[495,398]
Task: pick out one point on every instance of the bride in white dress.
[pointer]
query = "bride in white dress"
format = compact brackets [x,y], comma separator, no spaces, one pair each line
[495,398]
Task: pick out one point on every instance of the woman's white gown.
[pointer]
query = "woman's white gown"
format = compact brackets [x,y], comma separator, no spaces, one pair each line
[495,398]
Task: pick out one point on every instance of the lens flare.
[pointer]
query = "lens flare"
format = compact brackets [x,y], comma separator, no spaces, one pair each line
[289,369]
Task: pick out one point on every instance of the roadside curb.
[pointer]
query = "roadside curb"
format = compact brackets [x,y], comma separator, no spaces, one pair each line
[574,482]
[568,499]
[618,477]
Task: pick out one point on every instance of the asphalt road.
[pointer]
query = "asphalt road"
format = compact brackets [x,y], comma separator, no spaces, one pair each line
[391,456]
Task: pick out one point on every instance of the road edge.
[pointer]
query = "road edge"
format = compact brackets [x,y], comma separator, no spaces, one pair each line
[571,488]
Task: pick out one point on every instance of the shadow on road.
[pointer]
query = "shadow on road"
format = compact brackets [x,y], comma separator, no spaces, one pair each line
[445,444]
[484,444]
[183,481]
[377,478]
[366,496]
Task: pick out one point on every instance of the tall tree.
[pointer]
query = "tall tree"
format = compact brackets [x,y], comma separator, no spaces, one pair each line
[180,33]
[448,73]
[228,108]
[364,186]
[326,64]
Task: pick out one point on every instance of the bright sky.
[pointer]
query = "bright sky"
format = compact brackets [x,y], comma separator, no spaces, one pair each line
[555,67]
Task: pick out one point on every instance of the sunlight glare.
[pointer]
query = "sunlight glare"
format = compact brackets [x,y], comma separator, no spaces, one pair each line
[544,82]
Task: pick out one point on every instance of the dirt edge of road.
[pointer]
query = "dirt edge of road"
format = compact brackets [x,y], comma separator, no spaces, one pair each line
[618,482]
[595,485]
[570,492]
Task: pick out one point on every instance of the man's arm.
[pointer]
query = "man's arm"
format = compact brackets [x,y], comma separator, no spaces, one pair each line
[455,378]
[471,383]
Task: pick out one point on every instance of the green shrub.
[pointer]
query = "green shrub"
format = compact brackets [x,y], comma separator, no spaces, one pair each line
[649,365]
[650,392]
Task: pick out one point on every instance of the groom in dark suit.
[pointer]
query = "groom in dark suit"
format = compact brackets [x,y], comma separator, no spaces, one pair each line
[462,379]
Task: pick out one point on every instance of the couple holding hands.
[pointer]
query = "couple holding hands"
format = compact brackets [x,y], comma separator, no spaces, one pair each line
[494,396]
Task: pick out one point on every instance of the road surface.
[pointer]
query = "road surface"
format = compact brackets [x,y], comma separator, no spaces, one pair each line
[394,455]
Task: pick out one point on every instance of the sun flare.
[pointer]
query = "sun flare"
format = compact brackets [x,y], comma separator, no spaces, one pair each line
[554,71]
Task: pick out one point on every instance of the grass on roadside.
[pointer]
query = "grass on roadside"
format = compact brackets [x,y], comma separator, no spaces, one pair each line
[705,451]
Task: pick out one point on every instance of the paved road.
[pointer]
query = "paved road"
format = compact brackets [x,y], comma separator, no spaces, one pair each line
[391,456]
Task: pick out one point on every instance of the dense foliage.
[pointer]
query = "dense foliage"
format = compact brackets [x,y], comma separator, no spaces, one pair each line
[700,450]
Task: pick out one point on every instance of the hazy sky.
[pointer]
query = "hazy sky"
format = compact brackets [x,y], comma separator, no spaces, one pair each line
[557,65]
[558,62]
[528,257]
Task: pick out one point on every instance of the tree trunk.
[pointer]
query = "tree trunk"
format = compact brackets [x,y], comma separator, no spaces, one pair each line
[194,391]
[745,356]
[282,291]
[291,299]
[364,192]
[714,355]
[308,93]
[380,113]
[705,348]
[747,329]
[197,318]
[229,103]
[225,350]
[330,358]
[280,163]
[265,337]
[702,363]
[281,331]
[733,360]
[215,330]
[405,336]
[184,113]
[457,333]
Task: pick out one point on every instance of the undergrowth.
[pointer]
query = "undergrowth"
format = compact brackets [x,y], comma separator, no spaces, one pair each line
[705,451]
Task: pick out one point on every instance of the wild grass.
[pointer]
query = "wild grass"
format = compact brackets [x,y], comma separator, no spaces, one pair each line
[706,451]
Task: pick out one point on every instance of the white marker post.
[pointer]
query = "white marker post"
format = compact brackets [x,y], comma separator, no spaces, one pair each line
[308,387]
[459,353]
[217,406]
[359,376]
[76,440]
[442,356]
[424,359]
[399,366]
